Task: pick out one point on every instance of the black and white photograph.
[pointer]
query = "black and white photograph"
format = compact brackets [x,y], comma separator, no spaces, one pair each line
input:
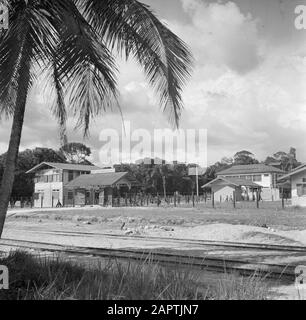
[152,153]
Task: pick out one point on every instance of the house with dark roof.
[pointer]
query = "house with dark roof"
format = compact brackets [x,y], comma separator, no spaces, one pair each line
[297,179]
[65,184]
[224,189]
[264,176]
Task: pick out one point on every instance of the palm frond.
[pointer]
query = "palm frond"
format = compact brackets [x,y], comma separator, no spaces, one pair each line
[132,28]
[86,67]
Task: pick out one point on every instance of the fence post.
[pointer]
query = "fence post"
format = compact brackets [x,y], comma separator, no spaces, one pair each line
[257,199]
[193,199]
[283,202]
[234,199]
[175,199]
[213,199]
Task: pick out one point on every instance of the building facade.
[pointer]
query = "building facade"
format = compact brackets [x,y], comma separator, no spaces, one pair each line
[61,184]
[225,189]
[297,179]
[50,180]
[264,176]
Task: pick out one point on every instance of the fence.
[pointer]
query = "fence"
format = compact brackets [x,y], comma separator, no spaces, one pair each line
[22,202]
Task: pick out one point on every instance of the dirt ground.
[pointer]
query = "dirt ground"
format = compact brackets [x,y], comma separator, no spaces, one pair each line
[87,226]
[242,225]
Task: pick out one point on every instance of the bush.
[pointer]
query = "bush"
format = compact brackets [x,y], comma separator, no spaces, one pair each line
[50,278]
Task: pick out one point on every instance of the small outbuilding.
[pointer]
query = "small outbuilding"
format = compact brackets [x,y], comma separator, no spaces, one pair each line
[99,188]
[297,179]
[223,189]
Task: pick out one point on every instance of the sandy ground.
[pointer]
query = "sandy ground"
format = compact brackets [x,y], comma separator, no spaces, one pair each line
[85,227]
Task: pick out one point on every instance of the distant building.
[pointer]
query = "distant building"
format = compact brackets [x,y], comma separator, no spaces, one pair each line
[67,184]
[297,179]
[223,189]
[264,176]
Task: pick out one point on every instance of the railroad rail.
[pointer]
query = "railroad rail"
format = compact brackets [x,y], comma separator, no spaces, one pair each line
[198,242]
[215,264]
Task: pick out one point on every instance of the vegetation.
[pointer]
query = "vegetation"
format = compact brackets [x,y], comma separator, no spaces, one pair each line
[52,279]
[76,152]
[73,41]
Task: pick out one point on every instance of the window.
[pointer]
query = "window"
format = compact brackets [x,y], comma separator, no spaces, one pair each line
[56,178]
[266,174]
[70,195]
[301,190]
[257,178]
[304,179]
[50,179]
[70,176]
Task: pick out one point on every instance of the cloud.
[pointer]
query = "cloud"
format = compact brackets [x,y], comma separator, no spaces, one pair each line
[247,90]
[222,34]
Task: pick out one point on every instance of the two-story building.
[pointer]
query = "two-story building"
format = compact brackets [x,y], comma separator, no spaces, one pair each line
[50,180]
[262,175]
[65,184]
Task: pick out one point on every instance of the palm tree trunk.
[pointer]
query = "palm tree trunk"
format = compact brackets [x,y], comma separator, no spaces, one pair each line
[12,153]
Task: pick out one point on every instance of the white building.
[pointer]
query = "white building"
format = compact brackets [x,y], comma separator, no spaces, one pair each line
[64,184]
[264,176]
[297,178]
[50,180]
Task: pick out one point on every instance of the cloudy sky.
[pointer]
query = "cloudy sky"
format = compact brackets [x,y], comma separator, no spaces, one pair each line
[248,88]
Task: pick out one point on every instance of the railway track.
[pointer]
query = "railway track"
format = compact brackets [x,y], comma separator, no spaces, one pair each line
[204,243]
[278,271]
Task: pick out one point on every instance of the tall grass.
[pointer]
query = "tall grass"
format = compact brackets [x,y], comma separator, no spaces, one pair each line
[41,278]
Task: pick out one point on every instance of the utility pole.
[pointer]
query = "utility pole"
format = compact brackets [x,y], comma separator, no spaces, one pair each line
[164,185]
[197,180]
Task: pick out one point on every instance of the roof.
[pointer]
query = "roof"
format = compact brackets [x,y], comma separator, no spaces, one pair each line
[102,180]
[297,170]
[238,182]
[64,166]
[249,169]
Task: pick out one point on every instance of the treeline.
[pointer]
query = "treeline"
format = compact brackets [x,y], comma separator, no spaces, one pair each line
[24,183]
[155,179]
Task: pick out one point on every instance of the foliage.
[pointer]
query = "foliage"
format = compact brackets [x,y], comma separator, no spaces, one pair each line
[75,152]
[23,184]
[46,278]
[287,161]
[244,157]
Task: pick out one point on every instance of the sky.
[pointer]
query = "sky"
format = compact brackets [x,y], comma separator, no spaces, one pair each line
[248,86]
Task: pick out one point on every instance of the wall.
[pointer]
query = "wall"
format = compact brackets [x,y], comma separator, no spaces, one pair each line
[223,192]
[296,179]
[45,191]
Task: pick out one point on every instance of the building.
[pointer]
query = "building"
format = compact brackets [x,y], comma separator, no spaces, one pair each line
[264,176]
[297,180]
[64,184]
[99,188]
[224,189]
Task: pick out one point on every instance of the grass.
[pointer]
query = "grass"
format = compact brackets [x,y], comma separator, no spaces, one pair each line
[45,278]
[270,214]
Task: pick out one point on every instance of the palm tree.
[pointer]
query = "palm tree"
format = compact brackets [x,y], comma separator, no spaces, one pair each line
[74,41]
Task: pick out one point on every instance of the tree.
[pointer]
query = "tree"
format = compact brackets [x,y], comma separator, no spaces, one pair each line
[287,161]
[75,152]
[71,40]
[23,183]
[244,157]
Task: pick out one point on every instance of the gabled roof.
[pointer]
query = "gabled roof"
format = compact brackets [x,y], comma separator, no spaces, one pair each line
[238,182]
[249,169]
[102,180]
[297,170]
[63,166]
